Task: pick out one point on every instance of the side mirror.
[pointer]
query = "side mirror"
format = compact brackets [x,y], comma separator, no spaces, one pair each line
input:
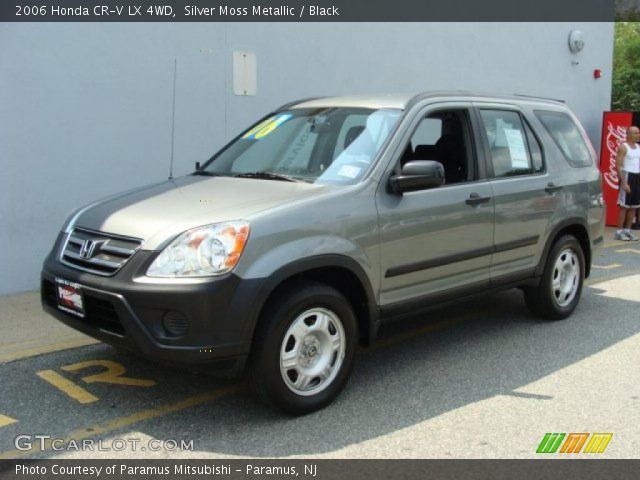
[417,175]
[197,165]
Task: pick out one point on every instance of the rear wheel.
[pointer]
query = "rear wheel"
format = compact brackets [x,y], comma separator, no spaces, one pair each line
[304,348]
[558,293]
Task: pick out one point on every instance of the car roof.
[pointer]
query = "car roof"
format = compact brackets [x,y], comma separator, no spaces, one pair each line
[363,101]
[402,101]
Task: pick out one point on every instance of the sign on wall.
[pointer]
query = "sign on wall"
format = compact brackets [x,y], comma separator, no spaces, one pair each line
[245,73]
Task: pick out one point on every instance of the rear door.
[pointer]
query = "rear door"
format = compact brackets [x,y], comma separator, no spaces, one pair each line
[525,197]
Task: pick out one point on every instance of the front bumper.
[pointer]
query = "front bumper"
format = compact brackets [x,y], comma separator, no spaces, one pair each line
[215,317]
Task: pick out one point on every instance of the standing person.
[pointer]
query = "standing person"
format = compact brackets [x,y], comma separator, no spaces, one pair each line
[628,165]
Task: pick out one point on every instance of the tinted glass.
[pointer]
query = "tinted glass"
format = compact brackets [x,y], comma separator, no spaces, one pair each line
[443,136]
[567,136]
[507,143]
[428,132]
[321,145]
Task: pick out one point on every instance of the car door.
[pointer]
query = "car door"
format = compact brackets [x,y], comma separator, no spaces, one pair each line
[436,243]
[525,197]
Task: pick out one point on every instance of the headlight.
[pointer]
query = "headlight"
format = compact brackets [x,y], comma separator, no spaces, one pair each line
[209,250]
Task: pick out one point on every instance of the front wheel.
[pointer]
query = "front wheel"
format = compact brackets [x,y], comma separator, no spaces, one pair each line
[304,348]
[558,293]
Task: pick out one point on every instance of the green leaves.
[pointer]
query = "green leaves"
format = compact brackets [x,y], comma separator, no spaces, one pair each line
[626,67]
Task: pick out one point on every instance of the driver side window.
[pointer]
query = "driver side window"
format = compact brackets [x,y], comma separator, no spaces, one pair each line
[443,136]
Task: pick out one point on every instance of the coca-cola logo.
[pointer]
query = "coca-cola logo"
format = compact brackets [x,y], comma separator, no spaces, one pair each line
[616,134]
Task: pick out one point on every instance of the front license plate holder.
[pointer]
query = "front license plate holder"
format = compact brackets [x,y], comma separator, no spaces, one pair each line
[70,298]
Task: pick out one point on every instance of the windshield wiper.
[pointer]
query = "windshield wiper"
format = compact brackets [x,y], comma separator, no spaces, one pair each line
[205,173]
[267,176]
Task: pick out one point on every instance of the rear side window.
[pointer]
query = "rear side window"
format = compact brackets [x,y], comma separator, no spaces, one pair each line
[567,136]
[508,143]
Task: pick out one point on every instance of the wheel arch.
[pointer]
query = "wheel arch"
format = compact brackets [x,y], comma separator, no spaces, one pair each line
[576,227]
[338,271]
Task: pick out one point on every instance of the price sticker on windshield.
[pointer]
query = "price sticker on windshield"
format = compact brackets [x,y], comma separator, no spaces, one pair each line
[265,128]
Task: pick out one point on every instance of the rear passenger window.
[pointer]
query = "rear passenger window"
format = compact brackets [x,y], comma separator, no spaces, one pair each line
[508,143]
[567,136]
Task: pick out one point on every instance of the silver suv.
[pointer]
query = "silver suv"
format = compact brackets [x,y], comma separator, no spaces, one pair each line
[297,240]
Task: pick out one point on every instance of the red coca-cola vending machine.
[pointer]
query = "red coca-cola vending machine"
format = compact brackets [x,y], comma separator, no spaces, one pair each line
[614,132]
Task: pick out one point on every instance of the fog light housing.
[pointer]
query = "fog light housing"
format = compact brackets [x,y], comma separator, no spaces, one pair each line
[175,323]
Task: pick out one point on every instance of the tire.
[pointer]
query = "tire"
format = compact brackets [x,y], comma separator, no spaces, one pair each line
[303,349]
[558,293]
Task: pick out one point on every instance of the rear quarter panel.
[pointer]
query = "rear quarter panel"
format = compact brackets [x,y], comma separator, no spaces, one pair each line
[579,200]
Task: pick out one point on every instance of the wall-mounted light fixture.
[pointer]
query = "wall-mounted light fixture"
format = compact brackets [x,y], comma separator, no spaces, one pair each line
[576,41]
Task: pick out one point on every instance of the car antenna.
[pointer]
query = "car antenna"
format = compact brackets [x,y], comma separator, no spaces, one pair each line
[173,116]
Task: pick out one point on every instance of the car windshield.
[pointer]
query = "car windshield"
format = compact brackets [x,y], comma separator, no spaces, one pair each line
[319,145]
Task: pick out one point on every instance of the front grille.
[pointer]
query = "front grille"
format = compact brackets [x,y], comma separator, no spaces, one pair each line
[97,252]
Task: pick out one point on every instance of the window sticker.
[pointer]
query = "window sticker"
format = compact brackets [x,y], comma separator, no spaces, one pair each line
[517,150]
[265,128]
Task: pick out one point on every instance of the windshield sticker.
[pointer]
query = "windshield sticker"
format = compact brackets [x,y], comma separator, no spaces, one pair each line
[265,128]
[516,148]
[349,171]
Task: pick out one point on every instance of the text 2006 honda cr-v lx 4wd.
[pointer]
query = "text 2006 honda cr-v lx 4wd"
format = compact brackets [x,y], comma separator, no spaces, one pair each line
[293,243]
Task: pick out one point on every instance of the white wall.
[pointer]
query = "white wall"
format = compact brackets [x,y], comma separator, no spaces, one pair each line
[85,109]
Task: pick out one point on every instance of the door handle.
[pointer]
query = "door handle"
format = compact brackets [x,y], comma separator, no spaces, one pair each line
[476,199]
[553,188]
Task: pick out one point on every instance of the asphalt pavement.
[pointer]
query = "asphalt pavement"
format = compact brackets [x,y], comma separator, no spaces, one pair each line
[481,379]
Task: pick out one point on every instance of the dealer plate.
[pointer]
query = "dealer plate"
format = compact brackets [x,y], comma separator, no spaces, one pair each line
[69,296]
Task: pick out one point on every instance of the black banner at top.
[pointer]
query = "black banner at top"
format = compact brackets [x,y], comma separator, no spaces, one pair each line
[307,11]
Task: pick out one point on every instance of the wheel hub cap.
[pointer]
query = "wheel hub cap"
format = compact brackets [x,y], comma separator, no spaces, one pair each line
[312,351]
[566,277]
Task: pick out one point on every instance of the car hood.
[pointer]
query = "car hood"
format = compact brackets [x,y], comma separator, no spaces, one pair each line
[159,212]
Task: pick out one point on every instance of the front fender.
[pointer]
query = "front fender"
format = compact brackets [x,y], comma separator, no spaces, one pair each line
[268,263]
[300,256]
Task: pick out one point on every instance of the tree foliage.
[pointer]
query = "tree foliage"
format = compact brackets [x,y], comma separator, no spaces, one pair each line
[626,67]
[627,10]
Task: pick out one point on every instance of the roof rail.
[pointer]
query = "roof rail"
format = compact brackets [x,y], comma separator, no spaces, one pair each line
[539,98]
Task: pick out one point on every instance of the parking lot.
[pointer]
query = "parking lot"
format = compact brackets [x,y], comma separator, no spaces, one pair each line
[481,379]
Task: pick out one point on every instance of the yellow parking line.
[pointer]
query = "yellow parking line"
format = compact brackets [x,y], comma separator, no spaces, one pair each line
[589,282]
[4,420]
[607,267]
[199,399]
[628,250]
[67,386]
[53,347]
[41,340]
[616,243]
[126,421]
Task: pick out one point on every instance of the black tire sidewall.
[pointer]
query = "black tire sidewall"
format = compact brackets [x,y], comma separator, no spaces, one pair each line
[266,361]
